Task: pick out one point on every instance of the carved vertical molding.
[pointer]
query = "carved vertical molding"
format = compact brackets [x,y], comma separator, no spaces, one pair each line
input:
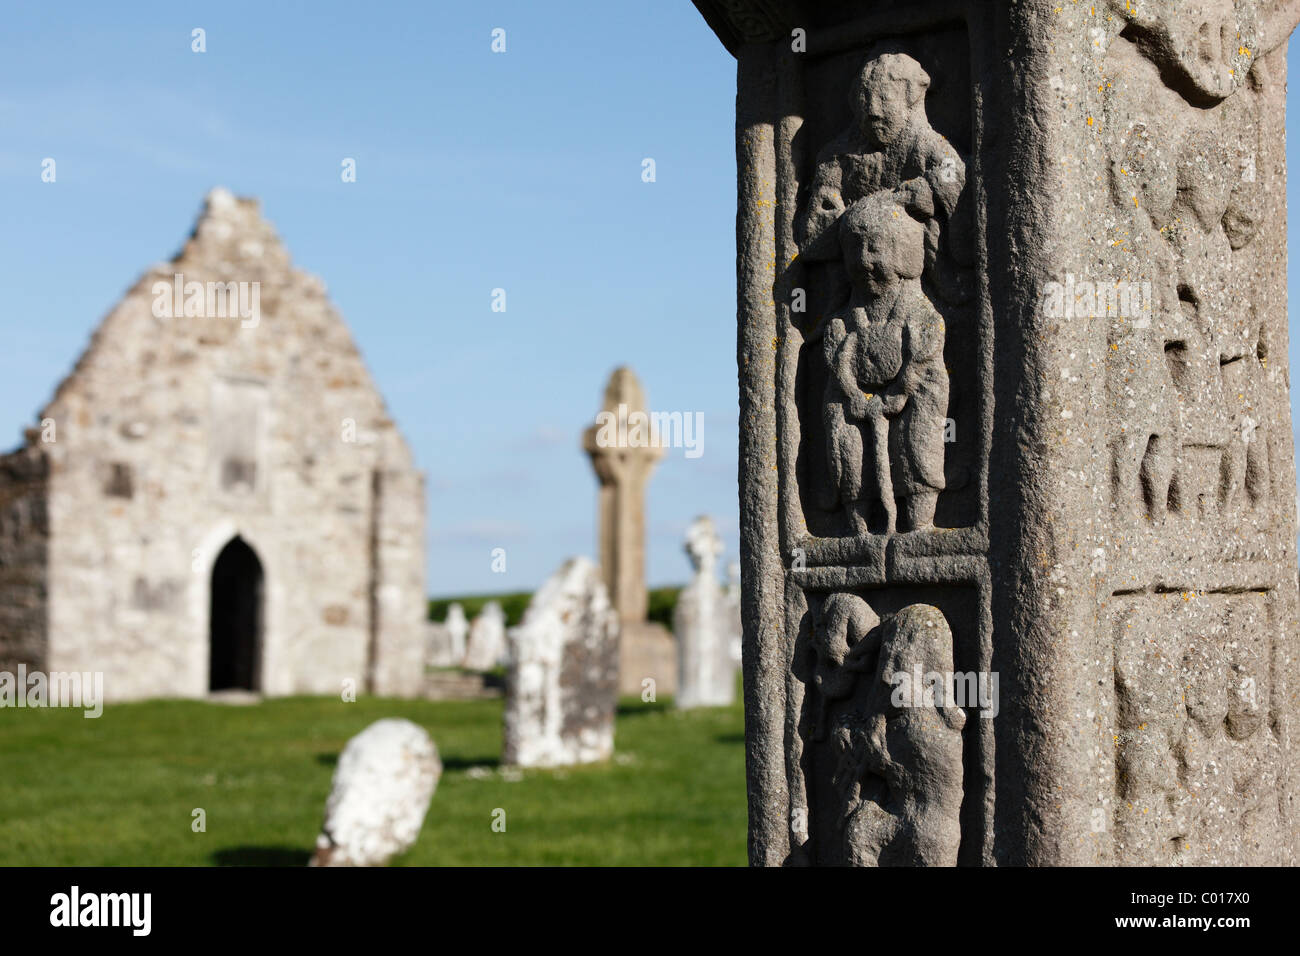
[765,651]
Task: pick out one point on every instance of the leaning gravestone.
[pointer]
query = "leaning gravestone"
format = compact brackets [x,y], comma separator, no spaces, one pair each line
[1013,379]
[703,626]
[562,676]
[383,783]
[487,639]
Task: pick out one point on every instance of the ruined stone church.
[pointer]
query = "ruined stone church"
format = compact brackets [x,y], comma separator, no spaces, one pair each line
[216,497]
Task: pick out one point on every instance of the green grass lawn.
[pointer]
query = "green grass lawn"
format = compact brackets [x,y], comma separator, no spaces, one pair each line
[120,790]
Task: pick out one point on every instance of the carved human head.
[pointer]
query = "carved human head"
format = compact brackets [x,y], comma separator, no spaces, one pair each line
[890,87]
[1205,179]
[881,242]
[1140,173]
[842,621]
[916,648]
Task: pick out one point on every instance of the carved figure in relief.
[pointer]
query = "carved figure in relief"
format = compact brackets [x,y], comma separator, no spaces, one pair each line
[1202,250]
[1151,714]
[1218,362]
[896,760]
[843,652]
[886,385]
[891,145]
[1145,447]
[1241,336]
[1189,382]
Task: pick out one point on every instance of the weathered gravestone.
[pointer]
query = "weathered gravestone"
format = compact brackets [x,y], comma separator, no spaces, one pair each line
[458,630]
[1014,413]
[487,639]
[382,786]
[702,621]
[439,648]
[623,449]
[562,674]
[445,641]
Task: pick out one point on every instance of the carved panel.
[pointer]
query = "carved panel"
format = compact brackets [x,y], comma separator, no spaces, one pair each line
[1198,731]
[748,21]
[890,743]
[882,293]
[1196,183]
[1187,374]
[883,391]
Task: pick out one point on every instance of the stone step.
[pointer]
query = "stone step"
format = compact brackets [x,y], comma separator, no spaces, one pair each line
[462,685]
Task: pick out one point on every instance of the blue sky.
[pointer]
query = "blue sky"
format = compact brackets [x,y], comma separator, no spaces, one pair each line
[475,171]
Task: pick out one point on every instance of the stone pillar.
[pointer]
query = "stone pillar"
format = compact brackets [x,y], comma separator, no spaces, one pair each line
[398,608]
[1014,412]
[623,453]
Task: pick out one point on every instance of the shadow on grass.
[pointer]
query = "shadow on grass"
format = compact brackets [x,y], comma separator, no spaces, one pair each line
[464,763]
[261,856]
[633,707]
[730,738]
[448,763]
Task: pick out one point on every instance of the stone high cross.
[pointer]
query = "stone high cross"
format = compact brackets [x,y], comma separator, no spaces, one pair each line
[623,469]
[624,447]
[1014,404]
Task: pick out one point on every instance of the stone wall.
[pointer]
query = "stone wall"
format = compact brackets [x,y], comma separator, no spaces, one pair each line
[24,550]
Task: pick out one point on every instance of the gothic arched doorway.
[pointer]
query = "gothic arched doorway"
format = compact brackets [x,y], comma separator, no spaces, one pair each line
[235,619]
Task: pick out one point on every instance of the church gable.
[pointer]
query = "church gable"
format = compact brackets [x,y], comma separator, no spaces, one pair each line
[228,308]
[222,420]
